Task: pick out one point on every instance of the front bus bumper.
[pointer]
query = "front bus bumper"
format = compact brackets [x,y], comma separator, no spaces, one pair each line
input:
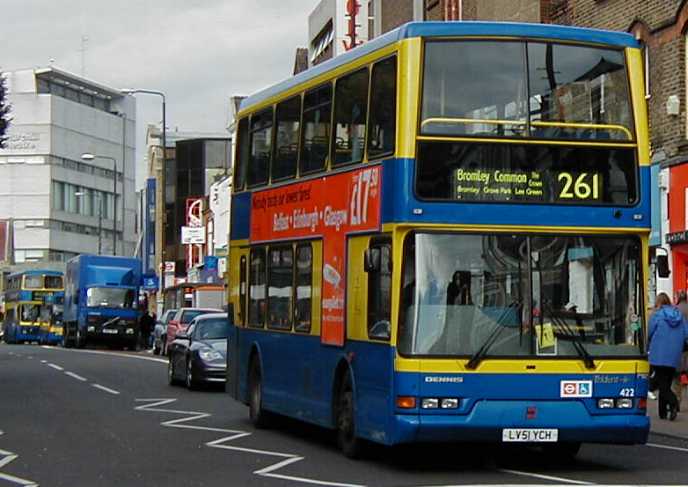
[487,420]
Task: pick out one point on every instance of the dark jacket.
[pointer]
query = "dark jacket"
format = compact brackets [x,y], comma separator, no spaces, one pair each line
[667,334]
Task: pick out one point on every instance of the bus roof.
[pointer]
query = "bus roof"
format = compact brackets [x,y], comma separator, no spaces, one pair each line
[450,29]
[36,272]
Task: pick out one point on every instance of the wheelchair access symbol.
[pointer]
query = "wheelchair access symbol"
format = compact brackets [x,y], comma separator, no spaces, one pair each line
[576,388]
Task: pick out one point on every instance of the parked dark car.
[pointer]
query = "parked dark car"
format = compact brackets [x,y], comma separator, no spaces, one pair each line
[199,354]
[160,332]
[182,318]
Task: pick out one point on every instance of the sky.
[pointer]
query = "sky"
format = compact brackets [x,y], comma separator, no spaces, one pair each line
[198,52]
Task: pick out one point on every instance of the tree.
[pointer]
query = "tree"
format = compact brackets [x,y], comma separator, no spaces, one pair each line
[4,111]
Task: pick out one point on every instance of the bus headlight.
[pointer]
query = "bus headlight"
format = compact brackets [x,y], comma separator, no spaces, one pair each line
[450,403]
[430,403]
[605,403]
[624,403]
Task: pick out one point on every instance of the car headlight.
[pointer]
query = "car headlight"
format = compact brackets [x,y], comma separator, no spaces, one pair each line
[209,354]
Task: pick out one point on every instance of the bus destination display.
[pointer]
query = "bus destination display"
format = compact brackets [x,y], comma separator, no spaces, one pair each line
[536,186]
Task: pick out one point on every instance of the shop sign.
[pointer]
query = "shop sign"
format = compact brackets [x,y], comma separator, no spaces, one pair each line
[677,237]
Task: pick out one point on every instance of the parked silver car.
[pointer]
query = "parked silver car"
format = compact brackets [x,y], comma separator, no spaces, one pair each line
[160,332]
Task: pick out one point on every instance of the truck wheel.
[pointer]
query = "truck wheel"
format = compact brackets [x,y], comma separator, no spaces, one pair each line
[80,339]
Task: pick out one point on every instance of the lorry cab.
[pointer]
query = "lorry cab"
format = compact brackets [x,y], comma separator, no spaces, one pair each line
[101,301]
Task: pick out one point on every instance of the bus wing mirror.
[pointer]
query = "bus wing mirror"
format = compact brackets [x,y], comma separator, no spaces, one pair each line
[662,264]
[371,260]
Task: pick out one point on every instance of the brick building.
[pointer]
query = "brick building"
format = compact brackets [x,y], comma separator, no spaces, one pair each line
[661,25]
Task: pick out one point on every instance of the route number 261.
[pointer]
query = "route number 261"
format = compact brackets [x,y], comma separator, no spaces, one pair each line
[581,186]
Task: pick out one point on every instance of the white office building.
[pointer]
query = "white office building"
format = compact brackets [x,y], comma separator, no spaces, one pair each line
[59,203]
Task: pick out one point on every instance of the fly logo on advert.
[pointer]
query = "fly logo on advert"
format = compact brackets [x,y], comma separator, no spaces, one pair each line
[576,388]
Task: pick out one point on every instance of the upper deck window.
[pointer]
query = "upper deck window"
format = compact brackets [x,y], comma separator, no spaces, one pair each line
[33,282]
[261,147]
[519,89]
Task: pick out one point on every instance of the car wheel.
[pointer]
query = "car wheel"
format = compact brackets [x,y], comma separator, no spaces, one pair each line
[347,441]
[258,416]
[171,380]
[190,382]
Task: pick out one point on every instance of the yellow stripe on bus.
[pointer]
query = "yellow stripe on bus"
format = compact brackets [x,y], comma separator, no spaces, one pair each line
[534,365]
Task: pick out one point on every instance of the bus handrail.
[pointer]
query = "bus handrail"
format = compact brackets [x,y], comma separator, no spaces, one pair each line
[471,120]
[534,123]
[581,125]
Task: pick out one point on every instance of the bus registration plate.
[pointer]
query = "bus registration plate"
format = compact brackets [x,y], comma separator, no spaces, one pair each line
[530,435]
[111,331]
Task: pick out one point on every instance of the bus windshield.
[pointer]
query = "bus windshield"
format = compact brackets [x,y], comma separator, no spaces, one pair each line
[540,295]
[35,312]
[525,89]
[110,297]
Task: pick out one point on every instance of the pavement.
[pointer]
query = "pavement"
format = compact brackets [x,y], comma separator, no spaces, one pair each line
[72,418]
[677,428]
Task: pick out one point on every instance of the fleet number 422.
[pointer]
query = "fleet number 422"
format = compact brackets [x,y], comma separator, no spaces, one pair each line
[583,186]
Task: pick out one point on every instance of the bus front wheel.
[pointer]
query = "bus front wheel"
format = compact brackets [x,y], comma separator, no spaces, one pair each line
[258,416]
[347,441]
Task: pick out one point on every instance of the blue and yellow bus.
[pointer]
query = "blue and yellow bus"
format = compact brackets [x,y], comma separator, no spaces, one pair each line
[32,299]
[442,235]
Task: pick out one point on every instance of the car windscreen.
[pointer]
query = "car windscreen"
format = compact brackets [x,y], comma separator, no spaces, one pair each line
[189,315]
[212,329]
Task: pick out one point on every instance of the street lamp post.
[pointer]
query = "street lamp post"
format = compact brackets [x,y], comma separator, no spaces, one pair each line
[89,157]
[133,91]
[79,194]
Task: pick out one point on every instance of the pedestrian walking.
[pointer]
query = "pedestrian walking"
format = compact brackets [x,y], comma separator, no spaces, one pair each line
[667,334]
[680,382]
[146,324]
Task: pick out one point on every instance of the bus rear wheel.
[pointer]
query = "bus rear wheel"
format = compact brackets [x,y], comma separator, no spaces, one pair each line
[347,441]
[258,416]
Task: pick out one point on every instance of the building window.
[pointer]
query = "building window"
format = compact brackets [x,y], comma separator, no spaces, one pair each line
[280,287]
[261,147]
[287,143]
[351,102]
[317,108]
[58,195]
[383,114]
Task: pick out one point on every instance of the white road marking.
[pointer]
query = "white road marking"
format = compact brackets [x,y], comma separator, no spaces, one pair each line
[269,471]
[9,457]
[56,367]
[44,361]
[76,376]
[544,477]
[106,389]
[666,447]
[102,352]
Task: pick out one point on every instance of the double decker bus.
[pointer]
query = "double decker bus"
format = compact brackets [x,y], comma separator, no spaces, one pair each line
[441,235]
[32,300]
